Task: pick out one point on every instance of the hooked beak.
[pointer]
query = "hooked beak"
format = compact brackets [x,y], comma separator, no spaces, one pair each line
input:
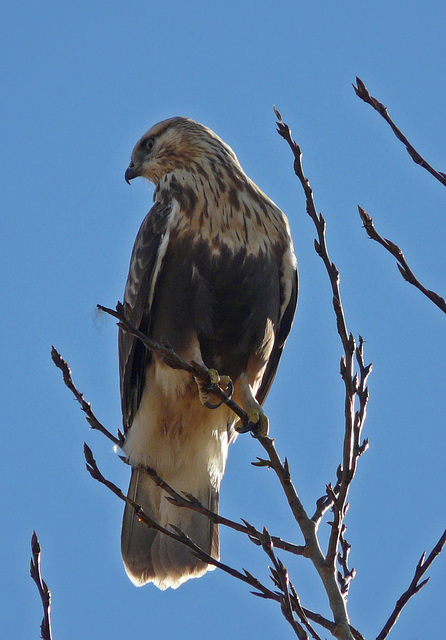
[131,172]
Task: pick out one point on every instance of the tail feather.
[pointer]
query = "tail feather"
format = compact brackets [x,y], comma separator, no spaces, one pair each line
[150,556]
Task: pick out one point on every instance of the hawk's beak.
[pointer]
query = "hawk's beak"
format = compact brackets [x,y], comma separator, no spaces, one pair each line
[131,172]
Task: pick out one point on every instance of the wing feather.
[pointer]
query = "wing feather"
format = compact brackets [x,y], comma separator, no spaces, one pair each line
[145,267]
[283,330]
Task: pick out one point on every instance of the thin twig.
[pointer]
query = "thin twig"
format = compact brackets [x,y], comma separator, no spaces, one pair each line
[347,574]
[290,603]
[415,586]
[189,501]
[362,92]
[44,592]
[85,406]
[402,265]
[325,502]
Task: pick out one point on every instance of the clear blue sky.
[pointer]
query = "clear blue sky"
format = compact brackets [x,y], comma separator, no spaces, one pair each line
[80,83]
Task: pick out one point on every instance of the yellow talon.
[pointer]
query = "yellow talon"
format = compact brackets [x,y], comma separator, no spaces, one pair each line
[205,389]
[258,423]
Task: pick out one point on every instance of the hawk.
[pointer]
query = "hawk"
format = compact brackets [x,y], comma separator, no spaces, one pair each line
[213,273]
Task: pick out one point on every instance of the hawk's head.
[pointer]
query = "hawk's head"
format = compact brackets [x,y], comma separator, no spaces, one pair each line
[177,143]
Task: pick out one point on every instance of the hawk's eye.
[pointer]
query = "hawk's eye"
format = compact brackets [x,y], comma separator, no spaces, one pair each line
[148,144]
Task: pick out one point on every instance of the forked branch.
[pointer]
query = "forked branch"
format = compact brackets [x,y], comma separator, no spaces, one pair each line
[176,534]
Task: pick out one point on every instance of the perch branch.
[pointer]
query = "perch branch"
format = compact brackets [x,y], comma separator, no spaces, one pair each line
[362,92]
[186,501]
[173,360]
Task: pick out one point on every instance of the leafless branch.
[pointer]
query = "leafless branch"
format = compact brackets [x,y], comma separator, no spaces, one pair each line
[173,360]
[415,586]
[180,536]
[44,592]
[186,500]
[290,603]
[362,92]
[85,406]
[402,265]
[246,577]
[191,502]
[354,387]
[347,575]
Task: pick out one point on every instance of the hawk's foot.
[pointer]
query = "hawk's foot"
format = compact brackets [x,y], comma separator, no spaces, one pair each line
[205,390]
[226,385]
[258,423]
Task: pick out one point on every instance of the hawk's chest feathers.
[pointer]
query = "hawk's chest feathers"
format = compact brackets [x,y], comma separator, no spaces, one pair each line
[227,211]
[220,267]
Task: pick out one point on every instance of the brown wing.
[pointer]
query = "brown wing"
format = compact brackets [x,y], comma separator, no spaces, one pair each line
[145,267]
[283,329]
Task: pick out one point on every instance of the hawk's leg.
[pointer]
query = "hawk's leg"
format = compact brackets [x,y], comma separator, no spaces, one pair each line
[258,423]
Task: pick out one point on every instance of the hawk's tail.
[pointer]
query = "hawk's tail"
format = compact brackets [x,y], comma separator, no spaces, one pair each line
[151,556]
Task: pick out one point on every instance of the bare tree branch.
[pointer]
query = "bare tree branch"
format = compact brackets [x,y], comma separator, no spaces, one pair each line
[173,360]
[415,586]
[85,406]
[353,420]
[191,502]
[180,536]
[362,92]
[44,592]
[186,500]
[246,577]
[290,603]
[402,265]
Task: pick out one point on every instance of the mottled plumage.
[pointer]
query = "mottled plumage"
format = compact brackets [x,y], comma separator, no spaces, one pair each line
[213,272]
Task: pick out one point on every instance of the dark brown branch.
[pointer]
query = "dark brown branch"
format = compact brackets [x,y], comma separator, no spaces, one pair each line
[85,406]
[347,575]
[415,586]
[362,92]
[325,502]
[44,592]
[173,360]
[402,265]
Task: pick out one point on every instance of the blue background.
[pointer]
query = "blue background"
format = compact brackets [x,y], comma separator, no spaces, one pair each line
[81,82]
